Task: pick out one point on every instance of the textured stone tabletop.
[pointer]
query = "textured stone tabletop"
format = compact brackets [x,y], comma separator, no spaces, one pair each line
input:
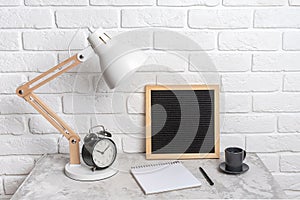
[47,181]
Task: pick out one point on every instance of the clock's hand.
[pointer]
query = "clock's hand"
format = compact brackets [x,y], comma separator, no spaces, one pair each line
[100,151]
[106,148]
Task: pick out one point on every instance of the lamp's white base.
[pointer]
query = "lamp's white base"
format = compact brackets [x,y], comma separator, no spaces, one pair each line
[82,172]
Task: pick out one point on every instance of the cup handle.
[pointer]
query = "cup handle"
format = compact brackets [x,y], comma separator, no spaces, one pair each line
[244,154]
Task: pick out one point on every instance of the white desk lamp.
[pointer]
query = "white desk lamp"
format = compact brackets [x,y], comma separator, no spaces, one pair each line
[117,64]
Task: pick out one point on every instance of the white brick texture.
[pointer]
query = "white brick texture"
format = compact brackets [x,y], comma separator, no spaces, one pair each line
[1,187]
[276,62]
[294,2]
[9,102]
[162,61]
[106,18]
[249,40]
[230,140]
[272,143]
[136,103]
[152,17]
[220,62]
[181,3]
[10,82]
[289,123]
[53,40]
[188,79]
[28,144]
[12,125]
[254,2]
[248,47]
[18,62]
[136,83]
[235,103]
[25,18]
[248,124]
[291,82]
[79,123]
[290,40]
[10,41]
[56,2]
[23,164]
[285,102]
[277,18]
[189,41]
[67,83]
[254,82]
[10,3]
[99,103]
[122,2]
[131,144]
[119,123]
[219,18]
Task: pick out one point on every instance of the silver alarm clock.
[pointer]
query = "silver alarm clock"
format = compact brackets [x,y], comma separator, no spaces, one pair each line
[99,151]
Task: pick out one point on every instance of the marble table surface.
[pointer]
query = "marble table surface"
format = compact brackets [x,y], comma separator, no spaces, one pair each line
[47,181]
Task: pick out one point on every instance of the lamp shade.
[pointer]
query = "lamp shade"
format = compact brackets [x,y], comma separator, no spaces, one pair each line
[118,59]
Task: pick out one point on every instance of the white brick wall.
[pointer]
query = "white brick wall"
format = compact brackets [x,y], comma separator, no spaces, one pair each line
[23,164]
[156,17]
[276,62]
[249,40]
[17,62]
[294,2]
[181,3]
[11,3]
[52,40]
[220,62]
[105,18]
[26,18]
[289,123]
[250,47]
[254,2]
[277,18]
[205,40]
[253,82]
[229,18]
[290,40]
[233,123]
[10,41]
[276,102]
[56,2]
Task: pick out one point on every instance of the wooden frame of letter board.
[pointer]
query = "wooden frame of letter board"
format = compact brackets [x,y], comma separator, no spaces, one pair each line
[149,154]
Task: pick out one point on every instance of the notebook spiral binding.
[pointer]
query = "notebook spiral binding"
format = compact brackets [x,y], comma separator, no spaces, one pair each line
[156,164]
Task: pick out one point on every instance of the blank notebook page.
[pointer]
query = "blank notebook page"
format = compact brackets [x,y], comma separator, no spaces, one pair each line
[164,177]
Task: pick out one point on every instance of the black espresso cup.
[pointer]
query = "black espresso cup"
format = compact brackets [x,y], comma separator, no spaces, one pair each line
[234,157]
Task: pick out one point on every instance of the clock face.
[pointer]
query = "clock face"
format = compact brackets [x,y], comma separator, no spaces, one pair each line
[104,153]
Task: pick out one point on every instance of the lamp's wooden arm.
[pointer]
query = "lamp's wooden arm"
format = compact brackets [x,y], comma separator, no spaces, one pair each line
[47,76]
[59,124]
[26,92]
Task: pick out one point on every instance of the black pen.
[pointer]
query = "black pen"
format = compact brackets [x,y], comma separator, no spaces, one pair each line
[206,176]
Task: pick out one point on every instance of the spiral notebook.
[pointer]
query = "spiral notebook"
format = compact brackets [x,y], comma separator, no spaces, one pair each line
[164,177]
